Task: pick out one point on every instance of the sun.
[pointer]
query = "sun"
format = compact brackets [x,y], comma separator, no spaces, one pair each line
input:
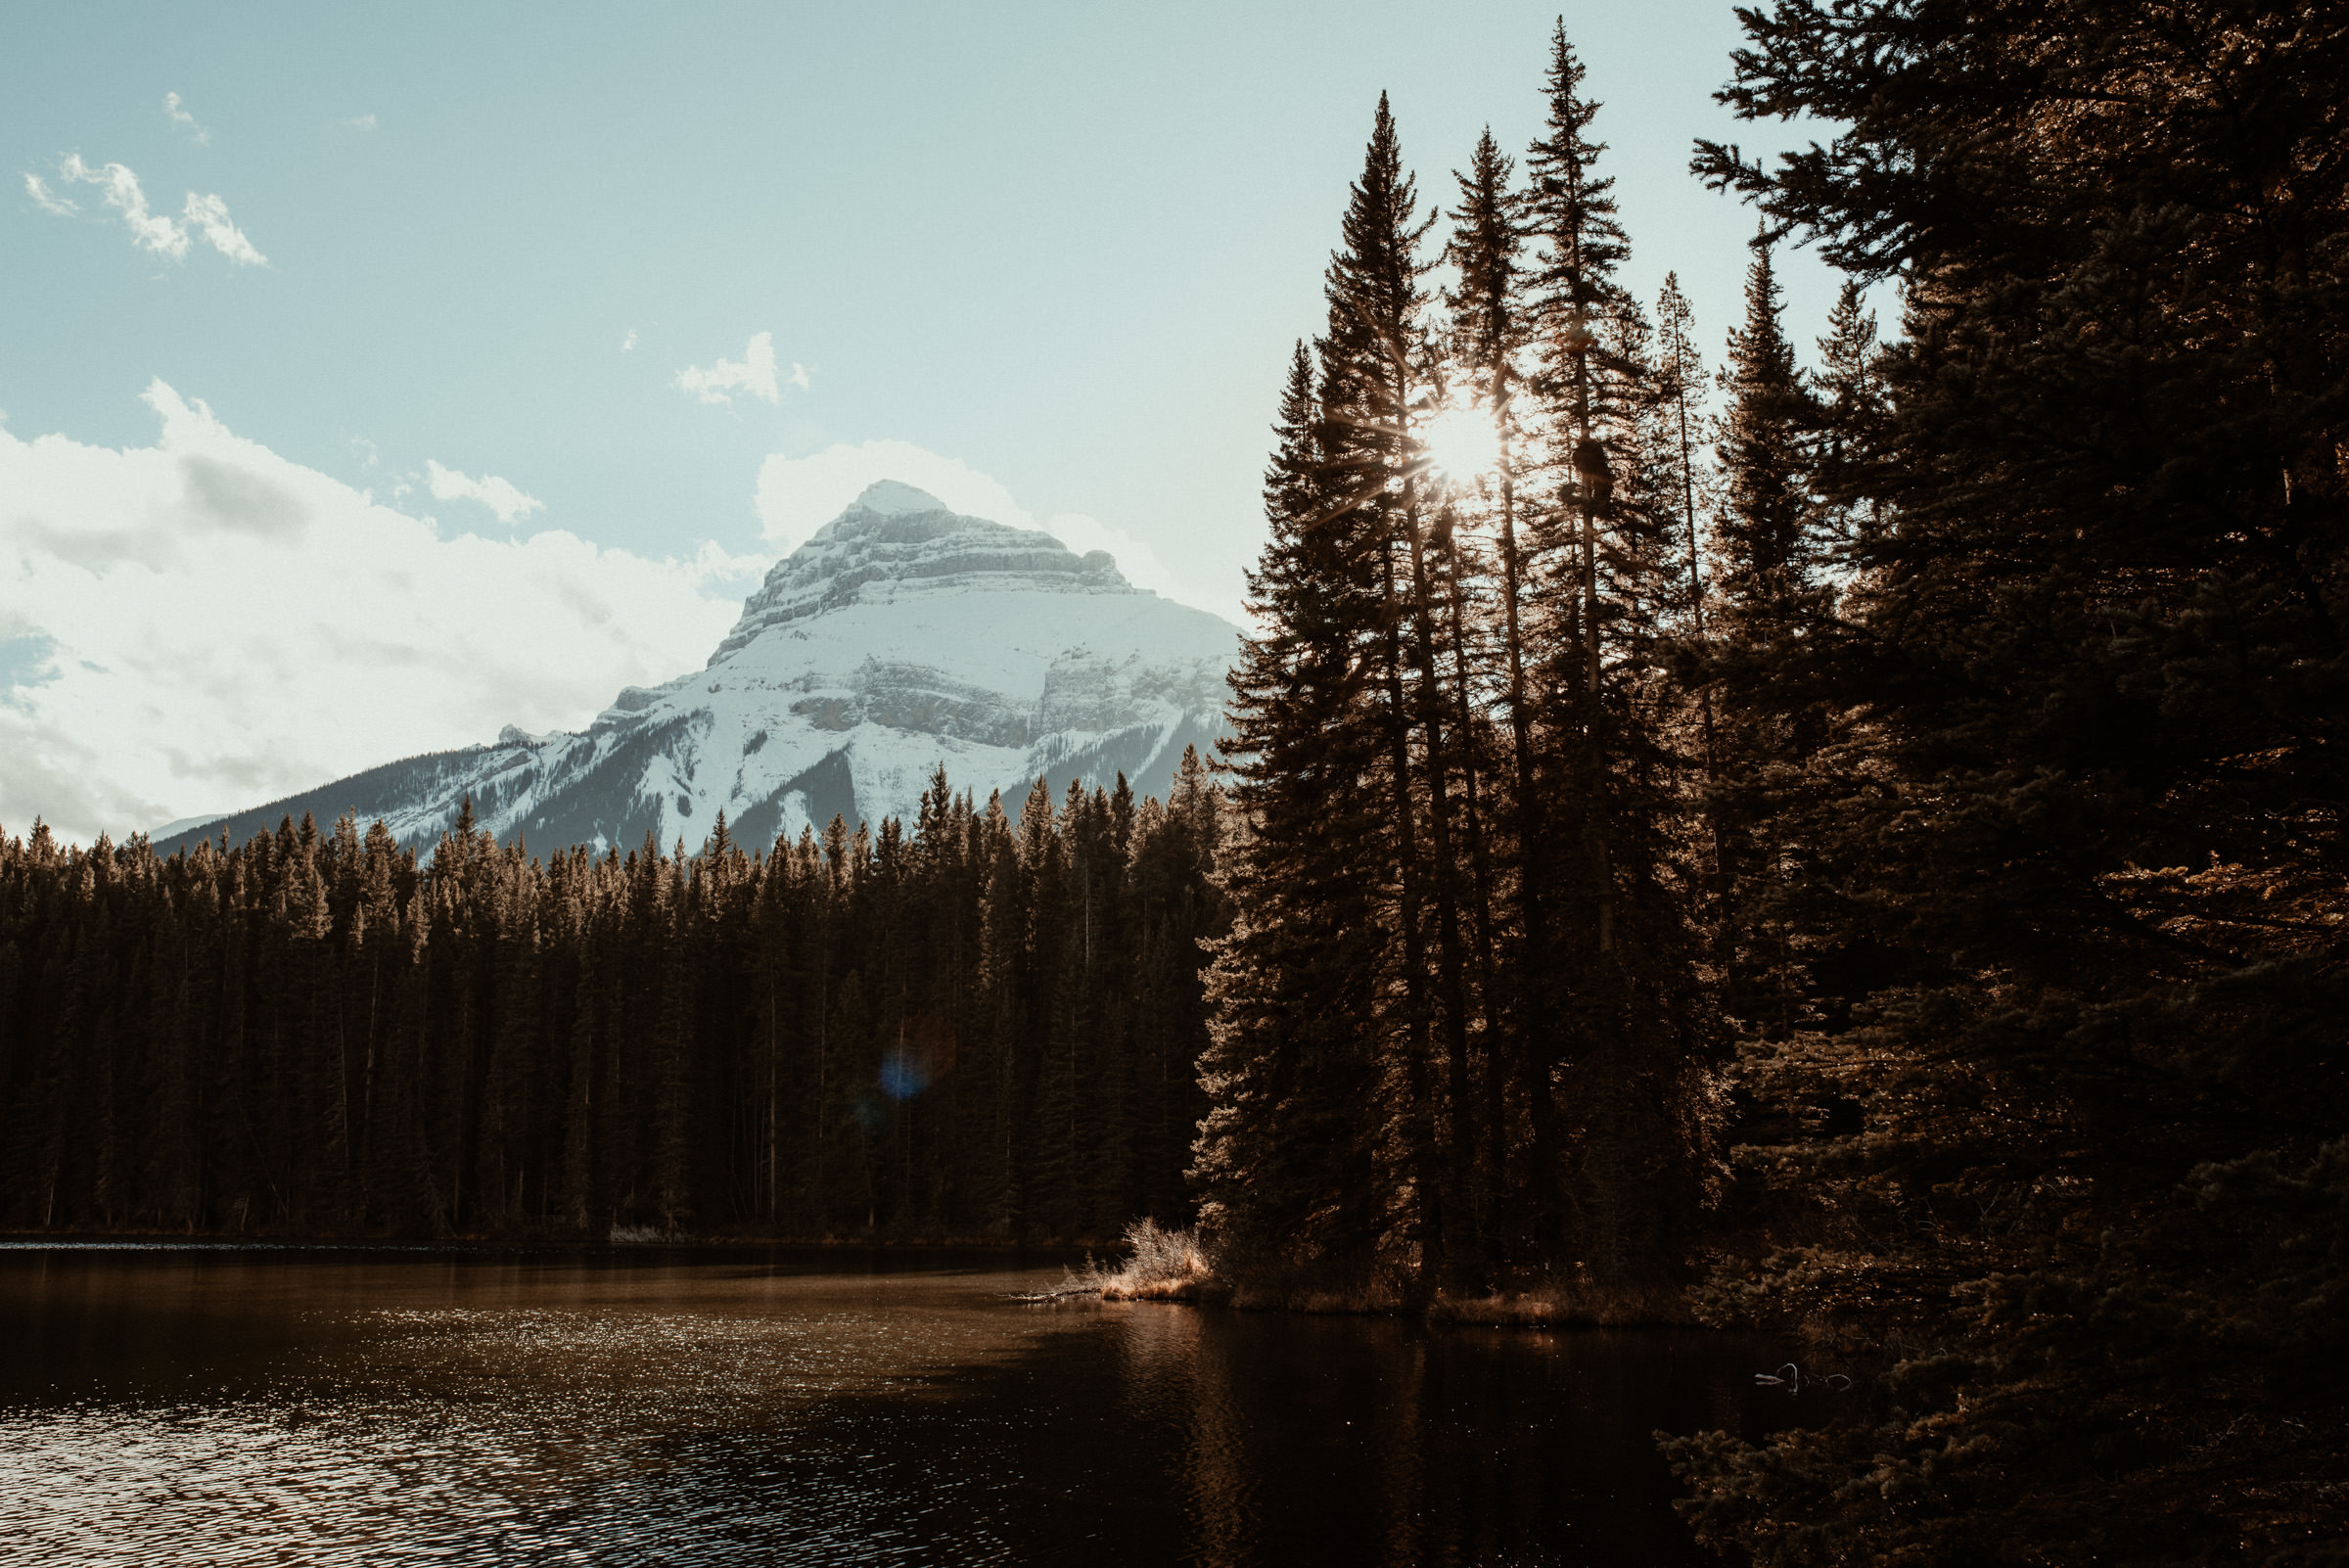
[1461,443]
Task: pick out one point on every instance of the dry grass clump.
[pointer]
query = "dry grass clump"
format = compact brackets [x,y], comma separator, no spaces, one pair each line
[1179,1265]
[1164,1266]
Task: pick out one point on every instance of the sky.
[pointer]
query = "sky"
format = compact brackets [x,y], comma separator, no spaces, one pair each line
[371,379]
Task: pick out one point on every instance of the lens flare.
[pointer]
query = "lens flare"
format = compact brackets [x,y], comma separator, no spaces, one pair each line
[1462,444]
[904,1075]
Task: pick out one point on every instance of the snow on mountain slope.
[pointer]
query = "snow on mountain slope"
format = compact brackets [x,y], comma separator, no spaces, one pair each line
[900,637]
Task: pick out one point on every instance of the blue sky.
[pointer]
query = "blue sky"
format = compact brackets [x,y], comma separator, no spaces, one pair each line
[1066,248]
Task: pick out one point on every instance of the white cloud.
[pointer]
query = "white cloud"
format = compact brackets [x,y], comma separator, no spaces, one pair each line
[148,231]
[210,214]
[181,119]
[755,373]
[361,123]
[38,189]
[796,495]
[1137,561]
[504,499]
[202,625]
[154,231]
[627,344]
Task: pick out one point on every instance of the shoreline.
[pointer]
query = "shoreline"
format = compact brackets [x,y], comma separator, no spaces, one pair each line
[1047,1252]
[1549,1307]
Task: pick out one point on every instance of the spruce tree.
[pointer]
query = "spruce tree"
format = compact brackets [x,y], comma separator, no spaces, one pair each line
[1372,361]
[1490,327]
[2071,870]
[1768,594]
[1763,539]
[1621,1090]
[1284,1169]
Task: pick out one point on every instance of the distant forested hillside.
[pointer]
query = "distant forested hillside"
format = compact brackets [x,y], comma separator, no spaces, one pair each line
[982,1026]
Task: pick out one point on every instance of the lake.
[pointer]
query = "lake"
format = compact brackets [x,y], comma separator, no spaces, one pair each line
[230,1405]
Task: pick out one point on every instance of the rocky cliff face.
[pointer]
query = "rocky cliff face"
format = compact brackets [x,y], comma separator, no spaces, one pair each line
[896,544]
[899,638]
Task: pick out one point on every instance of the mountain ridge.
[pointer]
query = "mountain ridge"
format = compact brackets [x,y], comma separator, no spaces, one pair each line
[900,638]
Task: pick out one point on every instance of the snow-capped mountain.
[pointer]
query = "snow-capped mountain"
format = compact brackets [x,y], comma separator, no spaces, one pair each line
[902,636]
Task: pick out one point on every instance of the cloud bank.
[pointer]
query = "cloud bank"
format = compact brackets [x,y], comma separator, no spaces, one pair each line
[502,497]
[796,495]
[200,626]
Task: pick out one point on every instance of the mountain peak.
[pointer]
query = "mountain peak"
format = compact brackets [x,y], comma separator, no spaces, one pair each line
[902,636]
[894,498]
[896,542]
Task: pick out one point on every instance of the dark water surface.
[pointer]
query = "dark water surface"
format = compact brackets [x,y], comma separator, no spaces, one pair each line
[225,1404]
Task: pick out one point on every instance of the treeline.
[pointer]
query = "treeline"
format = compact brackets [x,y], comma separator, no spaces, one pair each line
[984,1027]
[1866,858]
[1467,1023]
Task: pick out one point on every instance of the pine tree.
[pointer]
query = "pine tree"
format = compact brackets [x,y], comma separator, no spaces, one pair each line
[1763,538]
[1571,212]
[2062,1124]
[1489,330]
[1849,425]
[1621,1088]
[1285,1171]
[1578,242]
[1679,390]
[1372,361]
[1768,595]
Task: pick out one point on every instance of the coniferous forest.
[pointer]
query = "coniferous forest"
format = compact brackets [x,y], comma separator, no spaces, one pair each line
[1839,833]
[1868,863]
[981,1029]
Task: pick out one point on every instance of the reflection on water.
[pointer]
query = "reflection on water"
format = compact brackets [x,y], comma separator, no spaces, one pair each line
[240,1406]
